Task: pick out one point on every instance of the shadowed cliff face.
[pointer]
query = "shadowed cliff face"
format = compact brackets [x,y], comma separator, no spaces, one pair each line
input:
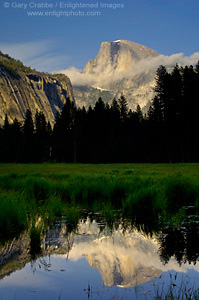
[21,90]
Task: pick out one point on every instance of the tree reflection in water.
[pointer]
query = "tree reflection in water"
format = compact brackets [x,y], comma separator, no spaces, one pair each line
[180,242]
[125,251]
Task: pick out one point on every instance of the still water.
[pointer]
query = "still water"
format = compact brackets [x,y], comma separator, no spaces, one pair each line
[97,261]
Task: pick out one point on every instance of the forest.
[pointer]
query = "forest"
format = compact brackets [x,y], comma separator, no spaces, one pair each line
[113,133]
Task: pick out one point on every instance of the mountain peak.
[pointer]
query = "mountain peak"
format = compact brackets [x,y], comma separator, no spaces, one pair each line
[118,55]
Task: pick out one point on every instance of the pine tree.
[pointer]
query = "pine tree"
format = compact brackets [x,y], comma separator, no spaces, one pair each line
[139,113]
[28,138]
[160,105]
[16,133]
[41,138]
[63,133]
[188,114]
[176,117]
[100,130]
[6,140]
[123,105]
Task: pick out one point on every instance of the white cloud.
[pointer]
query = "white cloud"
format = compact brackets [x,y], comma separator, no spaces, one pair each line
[78,77]
[148,65]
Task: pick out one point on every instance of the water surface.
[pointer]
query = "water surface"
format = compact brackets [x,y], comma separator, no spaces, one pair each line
[97,261]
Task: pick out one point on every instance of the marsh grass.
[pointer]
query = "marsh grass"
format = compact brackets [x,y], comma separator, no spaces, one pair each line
[180,191]
[176,290]
[36,188]
[13,217]
[142,192]
[54,207]
[72,214]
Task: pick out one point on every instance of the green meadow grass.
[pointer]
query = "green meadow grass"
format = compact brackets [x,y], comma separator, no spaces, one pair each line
[154,170]
[140,191]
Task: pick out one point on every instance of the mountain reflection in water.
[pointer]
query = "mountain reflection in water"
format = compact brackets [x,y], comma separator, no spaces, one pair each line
[122,255]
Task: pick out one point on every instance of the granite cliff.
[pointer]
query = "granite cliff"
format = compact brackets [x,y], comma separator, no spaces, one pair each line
[118,56]
[22,88]
[120,67]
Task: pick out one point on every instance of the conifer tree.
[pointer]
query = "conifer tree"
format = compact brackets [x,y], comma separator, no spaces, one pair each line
[123,105]
[16,133]
[41,138]
[139,113]
[28,138]
[63,133]
[6,140]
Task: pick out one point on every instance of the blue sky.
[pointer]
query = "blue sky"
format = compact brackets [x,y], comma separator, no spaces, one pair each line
[52,43]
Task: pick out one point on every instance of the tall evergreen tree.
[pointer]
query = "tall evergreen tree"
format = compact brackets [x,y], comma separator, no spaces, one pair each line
[6,140]
[139,113]
[41,138]
[16,132]
[187,111]
[28,149]
[114,131]
[160,105]
[175,117]
[99,138]
[123,105]
[63,133]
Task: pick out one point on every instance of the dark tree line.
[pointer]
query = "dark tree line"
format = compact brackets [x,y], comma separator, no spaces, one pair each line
[30,142]
[113,133]
[173,117]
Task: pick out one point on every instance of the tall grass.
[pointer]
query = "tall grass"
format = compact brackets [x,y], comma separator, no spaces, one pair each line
[142,197]
[176,290]
[13,215]
[180,191]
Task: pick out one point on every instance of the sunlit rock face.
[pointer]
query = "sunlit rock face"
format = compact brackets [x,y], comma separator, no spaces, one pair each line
[120,67]
[121,258]
[118,56]
[21,90]
[118,266]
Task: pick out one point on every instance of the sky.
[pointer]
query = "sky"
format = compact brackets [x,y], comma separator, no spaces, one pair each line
[65,35]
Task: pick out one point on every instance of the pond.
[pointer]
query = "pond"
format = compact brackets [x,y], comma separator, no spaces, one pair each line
[96,259]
